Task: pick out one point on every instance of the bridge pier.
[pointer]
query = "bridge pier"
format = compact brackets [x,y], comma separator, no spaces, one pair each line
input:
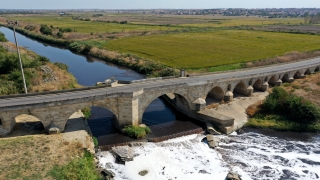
[228,96]
[265,86]
[279,82]
[290,80]
[249,90]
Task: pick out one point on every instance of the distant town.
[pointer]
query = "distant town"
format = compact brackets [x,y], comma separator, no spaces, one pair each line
[267,12]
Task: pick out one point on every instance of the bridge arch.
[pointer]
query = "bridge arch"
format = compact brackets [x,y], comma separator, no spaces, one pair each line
[215,95]
[297,75]
[307,72]
[104,104]
[257,84]
[27,124]
[175,98]
[229,87]
[240,88]
[273,81]
[285,78]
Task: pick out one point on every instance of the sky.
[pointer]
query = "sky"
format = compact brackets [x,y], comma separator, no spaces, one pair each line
[155,4]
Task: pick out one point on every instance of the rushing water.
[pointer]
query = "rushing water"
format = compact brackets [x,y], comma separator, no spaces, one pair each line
[273,155]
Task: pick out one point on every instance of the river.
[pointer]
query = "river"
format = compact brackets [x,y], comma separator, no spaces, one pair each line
[255,154]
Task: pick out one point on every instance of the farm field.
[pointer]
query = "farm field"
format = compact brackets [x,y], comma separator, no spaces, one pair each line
[200,43]
[148,22]
[208,49]
[82,26]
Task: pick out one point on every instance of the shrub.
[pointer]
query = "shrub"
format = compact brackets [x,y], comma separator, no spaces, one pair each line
[62,30]
[78,168]
[59,34]
[62,66]
[136,131]
[294,107]
[2,37]
[86,112]
[45,30]
[95,141]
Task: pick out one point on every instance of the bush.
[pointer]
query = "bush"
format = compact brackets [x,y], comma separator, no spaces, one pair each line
[59,34]
[95,141]
[2,37]
[62,30]
[86,112]
[45,30]
[62,66]
[294,107]
[136,131]
[78,168]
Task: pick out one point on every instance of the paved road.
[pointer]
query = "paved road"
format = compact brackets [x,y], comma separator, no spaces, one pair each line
[136,86]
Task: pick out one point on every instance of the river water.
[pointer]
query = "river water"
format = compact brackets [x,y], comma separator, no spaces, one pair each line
[255,154]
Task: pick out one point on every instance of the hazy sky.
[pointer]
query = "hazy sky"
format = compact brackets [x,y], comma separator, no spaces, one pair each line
[154,4]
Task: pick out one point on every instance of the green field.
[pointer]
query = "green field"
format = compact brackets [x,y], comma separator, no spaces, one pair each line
[201,43]
[199,50]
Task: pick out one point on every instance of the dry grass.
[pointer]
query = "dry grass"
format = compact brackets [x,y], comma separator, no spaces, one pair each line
[64,80]
[288,57]
[31,157]
[307,87]
[254,108]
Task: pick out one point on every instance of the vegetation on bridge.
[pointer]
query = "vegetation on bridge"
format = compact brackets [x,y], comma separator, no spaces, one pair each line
[136,131]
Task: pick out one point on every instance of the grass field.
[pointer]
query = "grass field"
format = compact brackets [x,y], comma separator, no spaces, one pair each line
[199,43]
[199,50]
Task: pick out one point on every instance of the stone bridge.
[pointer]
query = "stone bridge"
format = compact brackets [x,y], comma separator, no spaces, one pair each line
[128,101]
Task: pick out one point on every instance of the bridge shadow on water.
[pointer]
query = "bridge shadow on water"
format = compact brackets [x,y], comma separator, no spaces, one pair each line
[164,121]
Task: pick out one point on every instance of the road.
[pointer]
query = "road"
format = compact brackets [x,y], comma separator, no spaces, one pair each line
[14,101]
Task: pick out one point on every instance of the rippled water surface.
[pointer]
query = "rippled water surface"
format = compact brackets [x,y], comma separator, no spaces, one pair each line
[270,157]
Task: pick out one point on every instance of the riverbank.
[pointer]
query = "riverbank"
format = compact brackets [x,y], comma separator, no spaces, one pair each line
[40,74]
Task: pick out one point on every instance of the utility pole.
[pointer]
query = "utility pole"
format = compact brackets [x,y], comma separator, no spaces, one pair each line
[21,67]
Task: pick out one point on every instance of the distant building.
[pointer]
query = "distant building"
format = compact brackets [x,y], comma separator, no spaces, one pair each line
[62,13]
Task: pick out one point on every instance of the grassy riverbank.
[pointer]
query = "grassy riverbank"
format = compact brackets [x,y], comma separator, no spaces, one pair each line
[285,110]
[40,73]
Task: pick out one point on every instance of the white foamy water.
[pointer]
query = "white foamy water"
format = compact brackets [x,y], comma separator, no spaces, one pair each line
[252,155]
[264,157]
